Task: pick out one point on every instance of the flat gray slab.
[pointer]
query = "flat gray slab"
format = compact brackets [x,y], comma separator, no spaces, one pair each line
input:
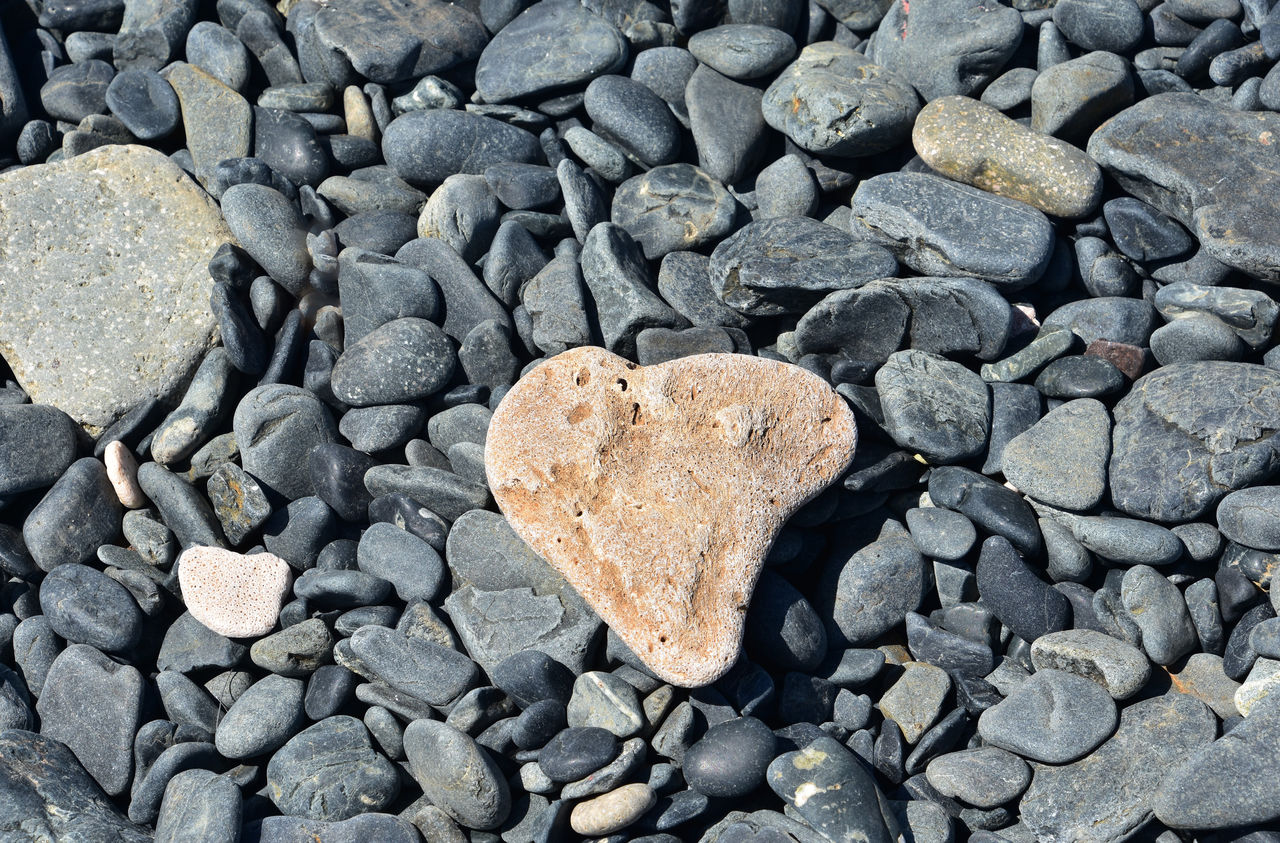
[104,281]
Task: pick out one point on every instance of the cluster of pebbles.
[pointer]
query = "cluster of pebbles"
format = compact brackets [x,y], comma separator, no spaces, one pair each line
[267,272]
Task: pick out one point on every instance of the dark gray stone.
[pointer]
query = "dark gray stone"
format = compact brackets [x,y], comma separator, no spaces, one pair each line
[1251,314]
[1249,517]
[457,775]
[1073,98]
[45,793]
[1225,783]
[1113,318]
[834,101]
[426,147]
[934,406]
[985,777]
[74,517]
[389,42]
[1023,602]
[1127,540]
[276,427]
[434,674]
[551,45]
[74,91]
[1062,459]
[1052,717]
[1212,184]
[262,719]
[786,265]
[951,47]
[743,50]
[940,227]
[37,444]
[144,103]
[1110,793]
[94,706]
[727,122]
[268,226]
[467,301]
[199,805]
[289,145]
[873,586]
[376,289]
[616,274]
[671,208]
[990,505]
[85,606]
[185,511]
[938,315]
[508,599]
[1217,415]
[330,771]
[1157,607]
[403,360]
[828,786]
[1100,24]
[401,558]
[633,115]
[384,828]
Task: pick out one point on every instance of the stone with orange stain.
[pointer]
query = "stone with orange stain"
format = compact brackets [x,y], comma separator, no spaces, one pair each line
[657,491]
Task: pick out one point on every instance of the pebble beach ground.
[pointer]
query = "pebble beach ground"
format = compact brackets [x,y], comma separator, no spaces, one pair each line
[268,271]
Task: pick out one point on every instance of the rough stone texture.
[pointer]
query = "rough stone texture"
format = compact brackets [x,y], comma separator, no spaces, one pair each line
[940,227]
[834,101]
[1190,433]
[1208,166]
[47,795]
[1107,794]
[1116,665]
[688,468]
[407,39]
[232,594]
[946,46]
[550,45]
[1062,459]
[217,121]
[972,142]
[106,301]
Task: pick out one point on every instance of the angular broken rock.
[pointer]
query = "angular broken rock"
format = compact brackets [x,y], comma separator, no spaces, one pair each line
[657,491]
[231,593]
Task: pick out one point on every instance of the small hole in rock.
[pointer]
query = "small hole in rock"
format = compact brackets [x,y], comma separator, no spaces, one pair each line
[662,639]
[635,414]
[582,378]
[622,384]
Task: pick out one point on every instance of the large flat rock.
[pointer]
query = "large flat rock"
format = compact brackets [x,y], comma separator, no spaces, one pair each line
[104,282]
[1210,166]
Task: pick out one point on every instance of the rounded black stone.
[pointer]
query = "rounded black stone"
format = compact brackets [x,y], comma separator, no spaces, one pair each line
[1080,376]
[530,676]
[144,102]
[86,606]
[577,752]
[731,759]
[337,473]
[539,723]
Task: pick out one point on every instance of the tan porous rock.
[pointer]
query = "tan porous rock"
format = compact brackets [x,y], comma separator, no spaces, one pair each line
[233,594]
[971,142]
[657,491]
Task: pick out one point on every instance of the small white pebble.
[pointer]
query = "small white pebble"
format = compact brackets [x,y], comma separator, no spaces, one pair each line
[122,470]
[231,593]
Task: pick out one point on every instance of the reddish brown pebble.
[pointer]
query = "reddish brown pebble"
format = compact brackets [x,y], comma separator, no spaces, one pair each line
[231,593]
[657,491]
[1129,359]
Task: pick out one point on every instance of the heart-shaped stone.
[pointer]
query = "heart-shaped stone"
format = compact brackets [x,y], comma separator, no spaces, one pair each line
[657,491]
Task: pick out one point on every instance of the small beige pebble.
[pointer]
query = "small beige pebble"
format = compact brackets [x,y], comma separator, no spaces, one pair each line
[359,115]
[657,491]
[613,811]
[122,470]
[231,593]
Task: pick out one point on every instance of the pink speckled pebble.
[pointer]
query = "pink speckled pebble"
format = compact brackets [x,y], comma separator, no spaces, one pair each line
[122,470]
[233,594]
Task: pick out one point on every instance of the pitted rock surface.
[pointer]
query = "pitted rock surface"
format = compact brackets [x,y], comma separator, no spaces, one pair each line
[657,491]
